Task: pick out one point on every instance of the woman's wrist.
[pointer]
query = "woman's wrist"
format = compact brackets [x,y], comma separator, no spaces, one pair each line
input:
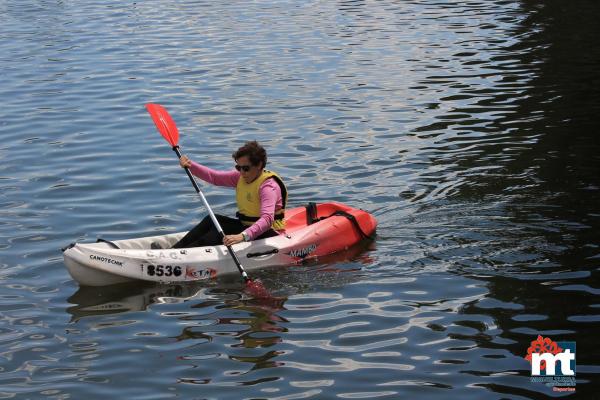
[246,237]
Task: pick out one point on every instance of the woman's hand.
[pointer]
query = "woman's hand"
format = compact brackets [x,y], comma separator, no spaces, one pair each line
[230,240]
[185,162]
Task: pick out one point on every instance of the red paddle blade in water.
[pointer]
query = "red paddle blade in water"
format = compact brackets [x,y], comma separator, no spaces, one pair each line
[164,123]
[256,289]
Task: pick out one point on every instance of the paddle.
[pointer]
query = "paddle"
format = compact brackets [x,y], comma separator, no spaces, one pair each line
[167,128]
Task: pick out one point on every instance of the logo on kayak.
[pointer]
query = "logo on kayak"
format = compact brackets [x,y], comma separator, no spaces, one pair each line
[196,274]
[303,252]
[106,260]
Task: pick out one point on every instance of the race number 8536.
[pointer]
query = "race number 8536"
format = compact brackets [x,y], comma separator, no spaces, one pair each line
[163,270]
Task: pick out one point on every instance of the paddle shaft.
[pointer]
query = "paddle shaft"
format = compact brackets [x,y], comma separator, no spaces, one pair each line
[213,218]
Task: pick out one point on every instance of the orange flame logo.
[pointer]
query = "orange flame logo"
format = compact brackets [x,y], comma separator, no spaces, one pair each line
[542,345]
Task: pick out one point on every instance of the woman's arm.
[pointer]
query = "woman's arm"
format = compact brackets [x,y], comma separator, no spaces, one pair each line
[214,177]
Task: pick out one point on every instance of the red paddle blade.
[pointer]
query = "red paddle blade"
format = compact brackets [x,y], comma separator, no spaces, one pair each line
[256,289]
[164,123]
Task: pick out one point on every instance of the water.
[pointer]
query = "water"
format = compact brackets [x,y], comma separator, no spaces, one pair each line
[468,128]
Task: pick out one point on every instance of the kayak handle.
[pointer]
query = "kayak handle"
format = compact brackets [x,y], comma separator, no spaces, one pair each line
[262,253]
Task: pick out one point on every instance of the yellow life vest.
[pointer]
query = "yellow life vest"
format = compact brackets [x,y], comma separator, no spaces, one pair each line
[248,200]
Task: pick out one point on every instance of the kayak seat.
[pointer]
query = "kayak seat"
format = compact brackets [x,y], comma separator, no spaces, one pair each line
[312,217]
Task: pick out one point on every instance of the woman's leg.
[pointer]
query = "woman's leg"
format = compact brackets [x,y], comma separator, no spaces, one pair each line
[197,232]
[269,233]
[206,234]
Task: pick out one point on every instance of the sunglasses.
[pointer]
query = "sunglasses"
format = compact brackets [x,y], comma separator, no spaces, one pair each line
[244,168]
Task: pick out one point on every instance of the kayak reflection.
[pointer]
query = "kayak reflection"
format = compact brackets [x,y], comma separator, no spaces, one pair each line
[126,297]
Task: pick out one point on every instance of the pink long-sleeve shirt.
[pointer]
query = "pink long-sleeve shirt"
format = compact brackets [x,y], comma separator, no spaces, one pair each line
[269,193]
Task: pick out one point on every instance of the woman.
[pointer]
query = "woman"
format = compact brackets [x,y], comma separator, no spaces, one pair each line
[261,199]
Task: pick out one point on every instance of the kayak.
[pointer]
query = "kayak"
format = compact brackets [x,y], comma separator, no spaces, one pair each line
[313,231]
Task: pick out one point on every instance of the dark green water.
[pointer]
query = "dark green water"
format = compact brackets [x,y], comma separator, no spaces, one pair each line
[469,129]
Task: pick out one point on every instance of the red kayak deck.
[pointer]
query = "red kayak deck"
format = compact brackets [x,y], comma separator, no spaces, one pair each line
[334,226]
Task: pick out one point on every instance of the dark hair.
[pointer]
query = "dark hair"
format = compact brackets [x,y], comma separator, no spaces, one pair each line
[254,151]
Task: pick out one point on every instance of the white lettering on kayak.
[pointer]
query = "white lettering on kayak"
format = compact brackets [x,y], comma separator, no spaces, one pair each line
[106,260]
[174,255]
[303,252]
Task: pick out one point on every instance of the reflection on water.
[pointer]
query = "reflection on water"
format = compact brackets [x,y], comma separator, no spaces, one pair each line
[115,299]
[468,128]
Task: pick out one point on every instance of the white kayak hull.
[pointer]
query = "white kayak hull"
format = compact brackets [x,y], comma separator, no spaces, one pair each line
[94,264]
[106,263]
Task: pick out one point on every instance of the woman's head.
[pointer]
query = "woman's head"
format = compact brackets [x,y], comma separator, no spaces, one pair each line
[250,159]
[255,153]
